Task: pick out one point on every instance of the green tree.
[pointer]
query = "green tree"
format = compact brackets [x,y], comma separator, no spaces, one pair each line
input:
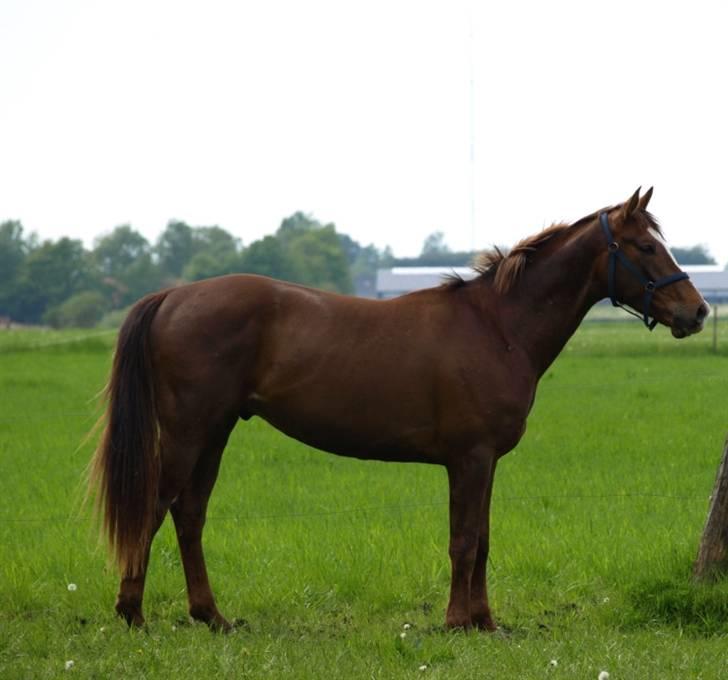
[175,248]
[205,265]
[82,310]
[13,251]
[267,257]
[296,225]
[319,260]
[124,263]
[194,253]
[434,244]
[363,264]
[215,252]
[49,275]
[214,240]
[696,255]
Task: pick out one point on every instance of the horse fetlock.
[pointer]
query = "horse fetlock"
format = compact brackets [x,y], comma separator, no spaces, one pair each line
[482,619]
[209,614]
[458,618]
[130,611]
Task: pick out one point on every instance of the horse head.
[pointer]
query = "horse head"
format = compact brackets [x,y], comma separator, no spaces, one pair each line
[642,273]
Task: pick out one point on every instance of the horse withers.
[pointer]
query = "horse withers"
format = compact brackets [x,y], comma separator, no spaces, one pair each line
[445,375]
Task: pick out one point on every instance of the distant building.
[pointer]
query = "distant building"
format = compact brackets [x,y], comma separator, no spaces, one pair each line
[711,280]
[400,280]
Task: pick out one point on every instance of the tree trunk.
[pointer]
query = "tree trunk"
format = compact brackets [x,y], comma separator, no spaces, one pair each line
[712,557]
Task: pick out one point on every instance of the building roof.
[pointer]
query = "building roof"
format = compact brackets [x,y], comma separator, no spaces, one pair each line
[710,280]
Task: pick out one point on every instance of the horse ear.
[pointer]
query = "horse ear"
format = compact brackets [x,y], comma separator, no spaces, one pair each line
[631,205]
[645,199]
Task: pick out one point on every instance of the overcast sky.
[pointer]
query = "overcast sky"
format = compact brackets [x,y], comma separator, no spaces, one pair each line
[240,113]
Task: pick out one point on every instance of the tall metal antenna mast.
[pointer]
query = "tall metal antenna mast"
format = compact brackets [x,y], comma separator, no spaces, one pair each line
[471,68]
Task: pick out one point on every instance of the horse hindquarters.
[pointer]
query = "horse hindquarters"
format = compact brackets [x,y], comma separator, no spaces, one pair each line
[154,454]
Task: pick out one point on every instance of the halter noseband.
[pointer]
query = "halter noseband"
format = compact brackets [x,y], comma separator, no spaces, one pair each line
[650,286]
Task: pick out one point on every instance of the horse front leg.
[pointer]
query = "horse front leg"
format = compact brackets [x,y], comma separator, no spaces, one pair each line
[479,607]
[469,478]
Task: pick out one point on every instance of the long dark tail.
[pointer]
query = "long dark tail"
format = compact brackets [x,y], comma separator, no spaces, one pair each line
[124,471]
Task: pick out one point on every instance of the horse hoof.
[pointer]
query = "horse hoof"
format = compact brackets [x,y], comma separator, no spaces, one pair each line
[241,624]
[133,618]
[488,626]
[458,622]
[219,624]
[215,621]
[484,623]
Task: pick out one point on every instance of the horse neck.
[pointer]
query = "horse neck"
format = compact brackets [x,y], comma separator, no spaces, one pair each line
[556,290]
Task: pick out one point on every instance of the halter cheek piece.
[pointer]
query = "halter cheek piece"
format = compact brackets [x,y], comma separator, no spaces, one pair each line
[615,254]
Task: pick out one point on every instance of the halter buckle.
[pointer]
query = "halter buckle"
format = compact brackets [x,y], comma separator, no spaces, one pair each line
[613,247]
[650,286]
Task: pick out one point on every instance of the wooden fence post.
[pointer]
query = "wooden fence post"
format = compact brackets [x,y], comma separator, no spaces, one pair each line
[715,329]
[712,557]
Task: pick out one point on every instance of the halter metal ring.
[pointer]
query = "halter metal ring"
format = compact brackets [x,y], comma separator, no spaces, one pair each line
[613,247]
[650,286]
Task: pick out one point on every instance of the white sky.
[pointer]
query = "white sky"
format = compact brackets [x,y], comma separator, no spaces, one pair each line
[240,113]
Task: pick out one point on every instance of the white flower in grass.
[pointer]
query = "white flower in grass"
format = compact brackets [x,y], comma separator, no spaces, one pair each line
[603,675]
[72,587]
[423,667]
[102,629]
[69,664]
[407,626]
[553,663]
[403,635]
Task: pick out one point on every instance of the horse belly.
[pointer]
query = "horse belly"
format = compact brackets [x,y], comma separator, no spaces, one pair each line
[359,429]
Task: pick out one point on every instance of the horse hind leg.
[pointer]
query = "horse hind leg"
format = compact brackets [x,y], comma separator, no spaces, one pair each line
[188,472]
[188,512]
[131,589]
[173,473]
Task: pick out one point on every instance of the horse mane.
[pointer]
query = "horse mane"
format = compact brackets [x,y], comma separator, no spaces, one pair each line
[506,267]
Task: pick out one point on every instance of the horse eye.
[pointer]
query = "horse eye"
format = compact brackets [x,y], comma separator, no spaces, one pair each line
[647,248]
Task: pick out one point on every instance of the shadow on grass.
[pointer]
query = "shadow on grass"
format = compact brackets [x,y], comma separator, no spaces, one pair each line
[699,609]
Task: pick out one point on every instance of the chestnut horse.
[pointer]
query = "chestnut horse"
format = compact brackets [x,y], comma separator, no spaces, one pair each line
[445,375]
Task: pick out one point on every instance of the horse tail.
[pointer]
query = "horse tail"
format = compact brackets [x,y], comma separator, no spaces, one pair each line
[124,470]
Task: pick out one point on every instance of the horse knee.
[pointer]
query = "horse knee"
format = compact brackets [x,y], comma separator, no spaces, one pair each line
[463,548]
[189,520]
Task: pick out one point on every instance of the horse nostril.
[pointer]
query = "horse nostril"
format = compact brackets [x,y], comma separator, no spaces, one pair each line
[703,311]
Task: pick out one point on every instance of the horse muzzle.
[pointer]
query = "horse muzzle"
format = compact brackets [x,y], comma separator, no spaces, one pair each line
[686,322]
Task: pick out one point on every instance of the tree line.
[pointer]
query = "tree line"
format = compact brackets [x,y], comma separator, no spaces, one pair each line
[62,283]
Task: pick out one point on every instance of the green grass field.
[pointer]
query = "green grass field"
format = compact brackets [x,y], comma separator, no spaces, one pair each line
[595,523]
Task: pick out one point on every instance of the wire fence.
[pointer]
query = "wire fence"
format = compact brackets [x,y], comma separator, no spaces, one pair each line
[92,415]
[388,507]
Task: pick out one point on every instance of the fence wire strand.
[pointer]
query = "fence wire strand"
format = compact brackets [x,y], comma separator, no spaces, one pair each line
[377,508]
[545,386]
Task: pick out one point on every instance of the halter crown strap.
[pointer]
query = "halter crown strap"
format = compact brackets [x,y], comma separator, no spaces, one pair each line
[616,255]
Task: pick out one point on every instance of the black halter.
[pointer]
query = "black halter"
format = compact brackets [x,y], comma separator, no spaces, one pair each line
[650,286]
